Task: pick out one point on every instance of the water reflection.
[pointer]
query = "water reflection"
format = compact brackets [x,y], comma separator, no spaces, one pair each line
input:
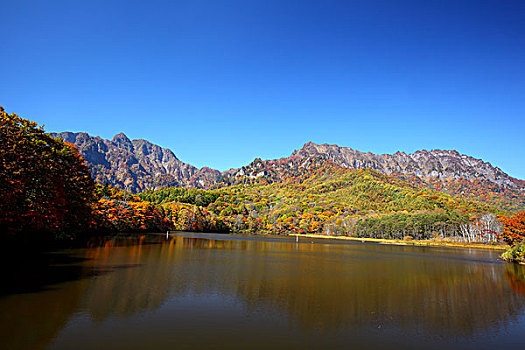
[327,288]
[31,321]
[516,276]
[319,286]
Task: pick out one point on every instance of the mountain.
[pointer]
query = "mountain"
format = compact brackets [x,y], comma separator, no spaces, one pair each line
[136,164]
[441,170]
[424,164]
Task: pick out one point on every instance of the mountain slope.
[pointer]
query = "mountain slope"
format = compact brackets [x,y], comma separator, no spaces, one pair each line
[136,164]
[435,163]
[333,200]
[445,171]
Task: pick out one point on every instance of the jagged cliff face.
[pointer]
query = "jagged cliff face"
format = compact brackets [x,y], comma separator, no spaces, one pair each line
[436,163]
[136,164]
[270,171]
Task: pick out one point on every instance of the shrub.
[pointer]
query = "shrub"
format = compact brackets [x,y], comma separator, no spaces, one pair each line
[515,254]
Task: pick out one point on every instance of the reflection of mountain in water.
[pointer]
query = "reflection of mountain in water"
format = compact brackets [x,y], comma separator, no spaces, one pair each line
[316,286]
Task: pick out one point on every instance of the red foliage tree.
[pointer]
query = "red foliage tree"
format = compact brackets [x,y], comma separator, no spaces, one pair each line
[45,186]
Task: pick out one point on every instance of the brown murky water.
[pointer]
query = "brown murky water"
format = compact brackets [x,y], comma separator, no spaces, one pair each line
[204,291]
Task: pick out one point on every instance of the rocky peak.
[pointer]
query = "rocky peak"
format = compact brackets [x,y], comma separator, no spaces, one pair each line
[136,164]
[122,141]
[434,163]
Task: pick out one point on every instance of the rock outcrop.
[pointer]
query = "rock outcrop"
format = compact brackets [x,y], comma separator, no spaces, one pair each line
[136,165]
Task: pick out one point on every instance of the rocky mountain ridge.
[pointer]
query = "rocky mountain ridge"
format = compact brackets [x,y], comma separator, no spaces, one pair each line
[139,164]
[434,163]
[136,165]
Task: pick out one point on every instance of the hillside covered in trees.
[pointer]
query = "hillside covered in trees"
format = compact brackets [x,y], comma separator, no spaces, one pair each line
[337,201]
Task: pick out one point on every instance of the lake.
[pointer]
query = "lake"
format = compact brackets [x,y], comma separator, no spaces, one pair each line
[211,291]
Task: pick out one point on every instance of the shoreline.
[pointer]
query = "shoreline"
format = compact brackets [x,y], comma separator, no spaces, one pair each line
[406,243]
[419,243]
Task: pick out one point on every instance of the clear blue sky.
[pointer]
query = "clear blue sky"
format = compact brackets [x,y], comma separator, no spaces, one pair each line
[223,82]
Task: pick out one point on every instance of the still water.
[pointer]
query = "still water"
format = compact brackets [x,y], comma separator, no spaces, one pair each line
[205,291]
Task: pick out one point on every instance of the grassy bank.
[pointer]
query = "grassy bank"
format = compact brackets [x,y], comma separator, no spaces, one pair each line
[435,243]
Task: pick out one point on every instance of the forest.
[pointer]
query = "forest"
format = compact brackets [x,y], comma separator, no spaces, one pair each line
[359,203]
[46,192]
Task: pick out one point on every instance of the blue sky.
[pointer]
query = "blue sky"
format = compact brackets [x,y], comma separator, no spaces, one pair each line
[223,82]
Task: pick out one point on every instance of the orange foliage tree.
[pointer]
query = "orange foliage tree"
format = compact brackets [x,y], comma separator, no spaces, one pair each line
[514,229]
[115,215]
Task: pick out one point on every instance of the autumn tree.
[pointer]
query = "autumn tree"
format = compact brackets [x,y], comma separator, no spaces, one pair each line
[514,229]
[45,186]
